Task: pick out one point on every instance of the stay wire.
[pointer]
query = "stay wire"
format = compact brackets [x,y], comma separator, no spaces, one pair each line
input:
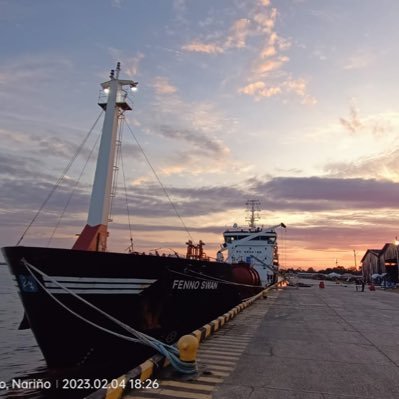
[60,179]
[115,166]
[160,183]
[73,191]
[126,196]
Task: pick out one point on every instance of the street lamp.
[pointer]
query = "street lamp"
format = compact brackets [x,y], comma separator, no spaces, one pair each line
[397,254]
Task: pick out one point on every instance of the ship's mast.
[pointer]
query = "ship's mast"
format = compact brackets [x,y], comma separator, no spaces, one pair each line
[253,207]
[114,100]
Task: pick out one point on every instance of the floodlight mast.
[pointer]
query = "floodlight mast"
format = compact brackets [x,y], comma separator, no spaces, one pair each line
[114,101]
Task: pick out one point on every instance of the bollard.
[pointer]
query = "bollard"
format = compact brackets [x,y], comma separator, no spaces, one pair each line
[321,284]
[188,346]
[372,287]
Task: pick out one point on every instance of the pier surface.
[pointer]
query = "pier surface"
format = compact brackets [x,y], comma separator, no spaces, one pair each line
[300,343]
[321,344]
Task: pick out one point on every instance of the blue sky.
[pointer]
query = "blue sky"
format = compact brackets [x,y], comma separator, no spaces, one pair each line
[292,102]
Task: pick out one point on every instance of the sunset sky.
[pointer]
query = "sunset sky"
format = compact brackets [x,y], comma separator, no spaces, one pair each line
[291,102]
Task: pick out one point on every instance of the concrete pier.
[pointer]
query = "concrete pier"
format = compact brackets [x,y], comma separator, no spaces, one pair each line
[316,343]
[299,343]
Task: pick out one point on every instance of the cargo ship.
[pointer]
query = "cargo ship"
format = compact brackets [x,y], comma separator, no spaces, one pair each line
[82,303]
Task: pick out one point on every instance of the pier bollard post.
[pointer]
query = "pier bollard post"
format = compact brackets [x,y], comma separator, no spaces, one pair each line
[188,346]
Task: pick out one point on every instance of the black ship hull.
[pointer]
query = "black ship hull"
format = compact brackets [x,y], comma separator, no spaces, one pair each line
[161,296]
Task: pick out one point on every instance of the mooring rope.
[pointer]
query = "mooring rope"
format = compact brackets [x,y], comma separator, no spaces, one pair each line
[169,351]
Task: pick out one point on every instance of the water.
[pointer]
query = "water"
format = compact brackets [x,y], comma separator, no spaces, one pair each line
[21,359]
[19,354]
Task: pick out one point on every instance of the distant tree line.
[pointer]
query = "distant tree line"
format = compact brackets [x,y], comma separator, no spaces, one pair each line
[337,269]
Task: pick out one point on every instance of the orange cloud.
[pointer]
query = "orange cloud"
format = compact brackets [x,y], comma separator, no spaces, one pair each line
[259,89]
[162,86]
[238,33]
[198,47]
[268,51]
[353,124]
[266,20]
[131,65]
[297,86]
[270,65]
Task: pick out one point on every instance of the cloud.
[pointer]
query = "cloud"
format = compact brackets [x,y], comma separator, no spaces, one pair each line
[355,124]
[360,60]
[259,90]
[18,167]
[117,3]
[33,70]
[162,85]
[323,193]
[265,19]
[384,166]
[130,64]
[299,87]
[271,65]
[180,8]
[198,47]
[267,77]
[192,135]
[259,22]
[208,145]
[331,212]
[238,34]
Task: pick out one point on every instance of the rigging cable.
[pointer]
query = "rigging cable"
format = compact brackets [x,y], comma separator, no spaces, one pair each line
[119,161]
[73,191]
[131,247]
[60,179]
[115,170]
[160,183]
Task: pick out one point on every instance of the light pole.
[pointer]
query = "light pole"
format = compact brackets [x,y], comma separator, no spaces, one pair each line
[354,255]
[397,255]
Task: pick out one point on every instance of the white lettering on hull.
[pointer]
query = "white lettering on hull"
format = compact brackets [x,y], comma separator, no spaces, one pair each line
[194,285]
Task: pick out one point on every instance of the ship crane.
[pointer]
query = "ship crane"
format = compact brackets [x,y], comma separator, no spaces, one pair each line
[275,227]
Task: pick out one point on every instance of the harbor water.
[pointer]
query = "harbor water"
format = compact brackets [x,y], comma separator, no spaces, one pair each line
[23,371]
[19,354]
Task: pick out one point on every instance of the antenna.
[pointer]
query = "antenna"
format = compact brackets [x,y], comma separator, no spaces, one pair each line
[253,206]
[118,69]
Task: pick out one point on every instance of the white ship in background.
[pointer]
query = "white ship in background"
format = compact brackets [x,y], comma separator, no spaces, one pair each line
[253,245]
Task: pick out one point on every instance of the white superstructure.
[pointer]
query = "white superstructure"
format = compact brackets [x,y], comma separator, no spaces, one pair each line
[256,246]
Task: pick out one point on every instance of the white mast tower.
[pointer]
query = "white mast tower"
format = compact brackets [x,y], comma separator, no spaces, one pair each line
[253,207]
[114,100]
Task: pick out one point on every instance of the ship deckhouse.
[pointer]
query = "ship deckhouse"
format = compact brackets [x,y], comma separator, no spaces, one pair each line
[256,246]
